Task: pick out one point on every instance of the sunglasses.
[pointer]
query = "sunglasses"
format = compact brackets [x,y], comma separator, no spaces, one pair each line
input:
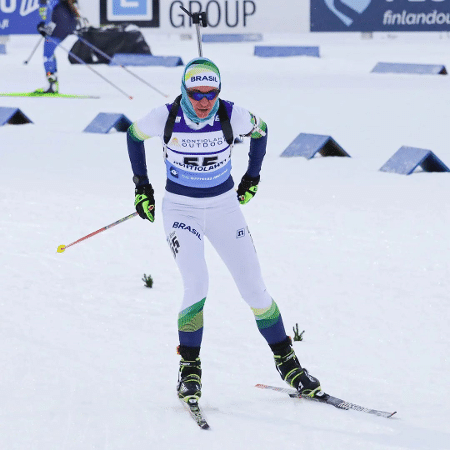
[197,95]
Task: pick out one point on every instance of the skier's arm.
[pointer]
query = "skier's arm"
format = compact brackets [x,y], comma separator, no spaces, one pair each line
[258,144]
[136,153]
[247,124]
[149,126]
[144,200]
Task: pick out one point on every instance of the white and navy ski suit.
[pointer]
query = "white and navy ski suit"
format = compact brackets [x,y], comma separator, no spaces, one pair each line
[200,203]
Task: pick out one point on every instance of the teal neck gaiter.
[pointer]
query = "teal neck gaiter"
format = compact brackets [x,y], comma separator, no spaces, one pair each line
[186,104]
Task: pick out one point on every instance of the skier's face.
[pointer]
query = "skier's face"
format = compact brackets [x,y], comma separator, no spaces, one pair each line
[204,106]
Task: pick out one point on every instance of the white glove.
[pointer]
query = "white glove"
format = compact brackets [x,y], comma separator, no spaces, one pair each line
[46,30]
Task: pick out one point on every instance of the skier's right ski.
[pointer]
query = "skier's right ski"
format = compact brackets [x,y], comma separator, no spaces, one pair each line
[196,413]
[329,399]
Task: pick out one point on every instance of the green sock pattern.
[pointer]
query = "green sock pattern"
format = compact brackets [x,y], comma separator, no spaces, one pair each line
[191,318]
[266,317]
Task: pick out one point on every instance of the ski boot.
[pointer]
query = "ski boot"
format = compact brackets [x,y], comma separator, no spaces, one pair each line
[53,83]
[291,371]
[53,87]
[189,385]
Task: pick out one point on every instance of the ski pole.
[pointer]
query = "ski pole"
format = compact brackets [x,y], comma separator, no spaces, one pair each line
[62,248]
[34,50]
[102,53]
[197,19]
[89,67]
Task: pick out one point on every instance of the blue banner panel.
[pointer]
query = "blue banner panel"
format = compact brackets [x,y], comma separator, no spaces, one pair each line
[19,16]
[380,15]
[143,13]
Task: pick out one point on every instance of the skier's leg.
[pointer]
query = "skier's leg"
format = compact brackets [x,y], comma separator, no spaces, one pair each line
[184,233]
[185,237]
[229,234]
[49,55]
[50,65]
[65,25]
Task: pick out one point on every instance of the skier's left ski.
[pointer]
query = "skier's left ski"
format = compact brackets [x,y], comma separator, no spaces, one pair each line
[326,398]
[196,413]
[39,93]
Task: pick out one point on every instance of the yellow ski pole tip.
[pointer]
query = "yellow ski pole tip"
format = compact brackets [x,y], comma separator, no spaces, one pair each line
[61,248]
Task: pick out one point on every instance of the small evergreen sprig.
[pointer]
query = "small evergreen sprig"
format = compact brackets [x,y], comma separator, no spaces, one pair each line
[297,336]
[148,280]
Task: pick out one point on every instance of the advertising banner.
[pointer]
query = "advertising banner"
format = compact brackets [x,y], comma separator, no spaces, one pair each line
[224,16]
[143,13]
[19,16]
[380,15]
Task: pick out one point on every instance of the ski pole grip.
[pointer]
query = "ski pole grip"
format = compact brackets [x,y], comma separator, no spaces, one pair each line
[203,19]
[199,19]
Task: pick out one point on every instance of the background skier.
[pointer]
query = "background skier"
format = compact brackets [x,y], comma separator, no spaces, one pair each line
[60,19]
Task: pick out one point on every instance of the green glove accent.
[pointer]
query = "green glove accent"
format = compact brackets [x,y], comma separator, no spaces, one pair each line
[247,189]
[248,195]
[145,202]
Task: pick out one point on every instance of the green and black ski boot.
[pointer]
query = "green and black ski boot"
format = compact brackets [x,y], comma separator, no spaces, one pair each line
[291,371]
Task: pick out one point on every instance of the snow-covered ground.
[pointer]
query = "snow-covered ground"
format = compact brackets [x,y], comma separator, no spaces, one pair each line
[357,257]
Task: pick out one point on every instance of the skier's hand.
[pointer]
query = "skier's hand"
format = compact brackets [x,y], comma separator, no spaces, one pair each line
[46,30]
[247,189]
[145,202]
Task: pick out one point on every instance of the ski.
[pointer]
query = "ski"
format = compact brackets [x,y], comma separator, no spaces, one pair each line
[196,413]
[322,397]
[40,94]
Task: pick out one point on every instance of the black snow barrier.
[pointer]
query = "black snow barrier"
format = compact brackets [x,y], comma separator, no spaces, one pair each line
[109,41]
